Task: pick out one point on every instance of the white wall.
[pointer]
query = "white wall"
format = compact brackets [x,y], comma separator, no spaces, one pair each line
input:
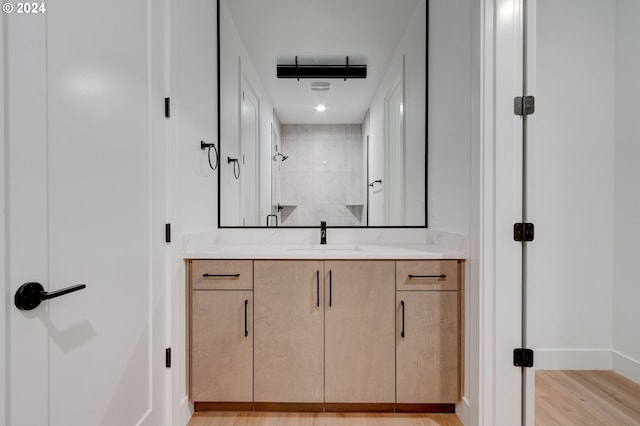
[626,286]
[194,186]
[449,126]
[194,112]
[571,186]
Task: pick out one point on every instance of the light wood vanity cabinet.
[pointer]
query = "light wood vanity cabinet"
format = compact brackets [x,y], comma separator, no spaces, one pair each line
[221,330]
[325,332]
[428,339]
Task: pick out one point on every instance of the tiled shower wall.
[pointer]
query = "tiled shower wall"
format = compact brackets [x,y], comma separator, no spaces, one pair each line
[323,177]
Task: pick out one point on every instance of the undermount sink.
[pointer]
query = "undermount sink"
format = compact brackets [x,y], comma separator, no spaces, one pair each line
[325,248]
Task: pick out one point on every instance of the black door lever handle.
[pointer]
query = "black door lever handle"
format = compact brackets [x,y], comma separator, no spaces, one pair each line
[30,295]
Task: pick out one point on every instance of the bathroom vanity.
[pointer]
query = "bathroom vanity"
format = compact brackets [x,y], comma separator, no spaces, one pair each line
[335,328]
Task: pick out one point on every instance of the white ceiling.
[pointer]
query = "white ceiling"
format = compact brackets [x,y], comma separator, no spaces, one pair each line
[310,28]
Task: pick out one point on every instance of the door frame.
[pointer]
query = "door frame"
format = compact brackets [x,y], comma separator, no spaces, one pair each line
[247,88]
[500,206]
[394,154]
[4,415]
[529,374]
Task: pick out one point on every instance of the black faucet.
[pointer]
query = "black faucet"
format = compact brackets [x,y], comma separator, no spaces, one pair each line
[323,232]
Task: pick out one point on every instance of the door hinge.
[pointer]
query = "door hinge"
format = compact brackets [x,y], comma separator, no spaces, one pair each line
[167,107]
[167,233]
[167,357]
[523,231]
[524,105]
[523,357]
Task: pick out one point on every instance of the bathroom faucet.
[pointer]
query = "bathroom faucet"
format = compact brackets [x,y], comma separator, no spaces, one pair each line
[323,232]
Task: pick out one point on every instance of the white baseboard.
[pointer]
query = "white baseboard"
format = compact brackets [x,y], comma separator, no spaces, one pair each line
[463,411]
[573,359]
[628,367]
[184,412]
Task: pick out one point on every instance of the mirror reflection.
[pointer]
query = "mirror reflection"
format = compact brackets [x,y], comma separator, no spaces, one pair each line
[322,110]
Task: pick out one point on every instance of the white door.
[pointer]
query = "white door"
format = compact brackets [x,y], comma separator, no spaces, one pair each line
[86,203]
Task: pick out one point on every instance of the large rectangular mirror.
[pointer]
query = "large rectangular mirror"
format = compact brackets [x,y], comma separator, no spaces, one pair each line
[322,113]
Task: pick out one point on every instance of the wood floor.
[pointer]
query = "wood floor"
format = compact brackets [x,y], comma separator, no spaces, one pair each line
[570,398]
[563,398]
[322,419]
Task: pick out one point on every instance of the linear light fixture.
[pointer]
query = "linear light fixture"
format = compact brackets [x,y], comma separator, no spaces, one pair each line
[300,70]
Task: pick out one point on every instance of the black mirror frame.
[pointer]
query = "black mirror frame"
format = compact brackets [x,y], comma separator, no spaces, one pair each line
[426,159]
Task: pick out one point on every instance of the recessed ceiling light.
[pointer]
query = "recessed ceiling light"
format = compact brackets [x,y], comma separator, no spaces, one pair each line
[321,108]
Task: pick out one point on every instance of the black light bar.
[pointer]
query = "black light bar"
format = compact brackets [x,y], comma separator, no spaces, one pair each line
[321,71]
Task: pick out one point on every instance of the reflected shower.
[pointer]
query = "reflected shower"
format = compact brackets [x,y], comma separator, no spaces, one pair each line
[284,157]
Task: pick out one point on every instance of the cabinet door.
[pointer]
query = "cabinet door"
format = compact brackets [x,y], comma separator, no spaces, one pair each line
[221,339]
[427,356]
[289,331]
[359,331]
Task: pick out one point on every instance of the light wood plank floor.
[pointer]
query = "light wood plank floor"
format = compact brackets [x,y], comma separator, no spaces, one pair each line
[563,398]
[322,419]
[570,398]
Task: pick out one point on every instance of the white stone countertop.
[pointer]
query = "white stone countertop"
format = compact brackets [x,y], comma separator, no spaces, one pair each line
[328,251]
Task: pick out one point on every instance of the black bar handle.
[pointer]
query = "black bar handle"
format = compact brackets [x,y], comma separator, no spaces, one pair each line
[246,324]
[402,332]
[318,289]
[220,275]
[441,276]
[330,289]
[62,292]
[30,295]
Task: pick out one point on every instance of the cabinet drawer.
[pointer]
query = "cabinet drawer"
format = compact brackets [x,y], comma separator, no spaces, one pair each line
[427,275]
[221,274]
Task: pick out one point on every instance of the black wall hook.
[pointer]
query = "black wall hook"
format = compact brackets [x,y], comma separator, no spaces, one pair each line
[236,166]
[204,145]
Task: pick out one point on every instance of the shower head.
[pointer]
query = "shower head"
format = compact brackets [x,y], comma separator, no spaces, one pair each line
[279,154]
